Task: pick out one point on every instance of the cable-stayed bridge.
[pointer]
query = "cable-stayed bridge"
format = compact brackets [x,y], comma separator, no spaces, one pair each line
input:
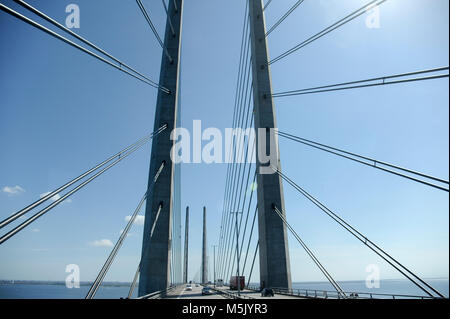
[259,213]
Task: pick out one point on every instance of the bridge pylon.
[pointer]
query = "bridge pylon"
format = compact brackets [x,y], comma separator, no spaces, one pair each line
[157,249]
[186,247]
[274,261]
[204,251]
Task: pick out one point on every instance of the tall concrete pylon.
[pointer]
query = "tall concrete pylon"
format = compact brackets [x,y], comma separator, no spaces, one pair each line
[274,261]
[186,247]
[204,255]
[157,250]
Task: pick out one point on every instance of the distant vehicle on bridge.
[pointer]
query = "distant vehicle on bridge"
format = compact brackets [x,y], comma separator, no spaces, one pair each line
[234,282]
[207,291]
[267,292]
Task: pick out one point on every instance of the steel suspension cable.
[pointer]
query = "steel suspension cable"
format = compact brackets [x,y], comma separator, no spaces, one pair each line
[62,27]
[239,90]
[236,192]
[29,21]
[98,281]
[228,176]
[371,245]
[133,284]
[96,284]
[23,211]
[380,81]
[239,208]
[368,161]
[276,24]
[253,263]
[113,253]
[240,178]
[250,238]
[62,198]
[168,17]
[248,212]
[231,238]
[329,29]
[138,270]
[310,253]
[242,79]
[30,220]
[267,4]
[232,185]
[152,27]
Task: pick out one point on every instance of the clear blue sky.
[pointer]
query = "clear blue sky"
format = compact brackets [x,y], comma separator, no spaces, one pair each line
[61,111]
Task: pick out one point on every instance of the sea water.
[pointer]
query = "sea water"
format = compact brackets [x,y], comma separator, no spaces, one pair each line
[9,290]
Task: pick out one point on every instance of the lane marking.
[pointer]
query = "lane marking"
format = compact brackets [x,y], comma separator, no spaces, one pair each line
[181,293]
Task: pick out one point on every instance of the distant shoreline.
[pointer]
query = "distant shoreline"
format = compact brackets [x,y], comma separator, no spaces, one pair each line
[61,283]
[127,284]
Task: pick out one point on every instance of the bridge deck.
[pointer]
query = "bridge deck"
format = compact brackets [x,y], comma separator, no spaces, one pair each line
[196,293]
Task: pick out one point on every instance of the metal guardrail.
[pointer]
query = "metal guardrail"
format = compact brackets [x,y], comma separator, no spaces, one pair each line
[326,294]
[231,295]
[301,293]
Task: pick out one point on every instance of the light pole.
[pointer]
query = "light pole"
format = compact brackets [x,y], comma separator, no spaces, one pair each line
[214,265]
[237,253]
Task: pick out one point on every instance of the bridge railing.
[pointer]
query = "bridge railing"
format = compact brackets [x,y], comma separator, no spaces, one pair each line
[231,294]
[327,294]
